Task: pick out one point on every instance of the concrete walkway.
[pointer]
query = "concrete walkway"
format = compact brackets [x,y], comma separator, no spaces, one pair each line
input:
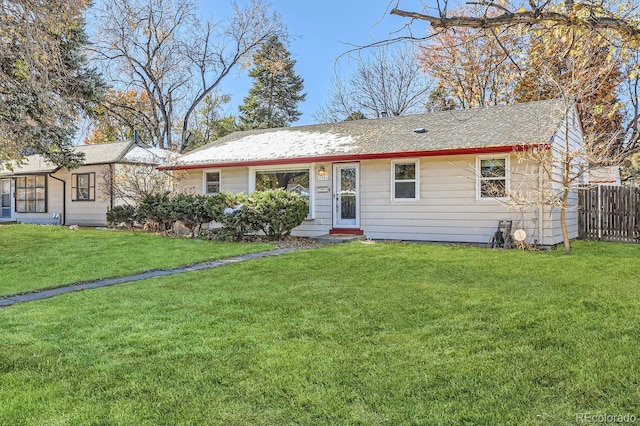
[45,294]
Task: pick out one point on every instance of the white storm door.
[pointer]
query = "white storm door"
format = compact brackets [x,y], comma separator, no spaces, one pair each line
[346,213]
[5,198]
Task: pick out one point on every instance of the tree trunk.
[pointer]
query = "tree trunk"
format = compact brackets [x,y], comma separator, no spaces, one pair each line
[563,220]
[566,181]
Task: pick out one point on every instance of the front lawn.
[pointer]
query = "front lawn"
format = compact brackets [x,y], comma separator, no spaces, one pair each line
[350,334]
[35,257]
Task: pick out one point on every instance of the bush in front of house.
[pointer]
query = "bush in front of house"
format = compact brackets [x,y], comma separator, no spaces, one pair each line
[274,212]
[233,213]
[126,214]
[191,210]
[157,210]
[277,212]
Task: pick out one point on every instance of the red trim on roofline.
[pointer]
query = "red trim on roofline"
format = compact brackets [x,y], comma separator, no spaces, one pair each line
[356,157]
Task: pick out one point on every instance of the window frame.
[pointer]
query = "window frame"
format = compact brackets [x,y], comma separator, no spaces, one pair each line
[75,194]
[311,169]
[416,180]
[480,178]
[205,181]
[34,189]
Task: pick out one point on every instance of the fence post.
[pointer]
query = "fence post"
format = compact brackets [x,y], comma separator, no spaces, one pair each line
[600,207]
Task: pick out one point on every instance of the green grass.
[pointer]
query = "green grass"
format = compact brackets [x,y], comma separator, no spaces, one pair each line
[350,334]
[36,257]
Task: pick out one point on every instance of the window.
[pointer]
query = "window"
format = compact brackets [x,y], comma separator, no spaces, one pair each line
[292,180]
[83,187]
[493,182]
[405,180]
[31,194]
[212,182]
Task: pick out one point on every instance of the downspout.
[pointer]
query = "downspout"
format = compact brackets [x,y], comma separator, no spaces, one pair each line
[112,172]
[64,198]
[540,204]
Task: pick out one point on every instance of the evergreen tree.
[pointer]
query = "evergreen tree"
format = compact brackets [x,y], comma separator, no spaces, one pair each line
[273,98]
[45,81]
[358,115]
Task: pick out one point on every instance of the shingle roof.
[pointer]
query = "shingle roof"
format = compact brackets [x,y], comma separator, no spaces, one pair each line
[499,126]
[119,152]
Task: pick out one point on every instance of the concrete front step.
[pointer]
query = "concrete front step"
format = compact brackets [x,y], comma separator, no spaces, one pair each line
[338,238]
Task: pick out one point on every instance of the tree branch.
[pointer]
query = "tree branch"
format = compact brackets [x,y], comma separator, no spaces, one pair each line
[536,16]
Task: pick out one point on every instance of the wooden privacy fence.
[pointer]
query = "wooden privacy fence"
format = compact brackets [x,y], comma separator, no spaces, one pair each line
[609,213]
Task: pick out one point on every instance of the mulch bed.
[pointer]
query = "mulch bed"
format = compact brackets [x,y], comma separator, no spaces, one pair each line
[288,242]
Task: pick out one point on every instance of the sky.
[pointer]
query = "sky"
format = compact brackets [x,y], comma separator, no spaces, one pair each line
[323,32]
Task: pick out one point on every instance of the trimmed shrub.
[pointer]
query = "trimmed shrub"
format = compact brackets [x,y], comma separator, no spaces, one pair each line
[274,212]
[122,214]
[277,212]
[157,210]
[191,211]
[233,213]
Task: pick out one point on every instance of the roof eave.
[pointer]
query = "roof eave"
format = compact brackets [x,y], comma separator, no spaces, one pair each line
[29,172]
[353,157]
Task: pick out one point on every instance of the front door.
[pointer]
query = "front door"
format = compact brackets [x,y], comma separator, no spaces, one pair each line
[5,198]
[347,197]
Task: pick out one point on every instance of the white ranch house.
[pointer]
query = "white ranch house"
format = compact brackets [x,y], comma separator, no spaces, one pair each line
[40,192]
[420,177]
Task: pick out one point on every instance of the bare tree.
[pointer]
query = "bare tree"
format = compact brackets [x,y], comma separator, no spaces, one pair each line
[631,92]
[619,16]
[391,82]
[563,165]
[161,48]
[131,183]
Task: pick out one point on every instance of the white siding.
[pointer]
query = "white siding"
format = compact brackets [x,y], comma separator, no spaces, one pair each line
[86,213]
[232,179]
[235,180]
[321,221]
[190,181]
[447,209]
[570,131]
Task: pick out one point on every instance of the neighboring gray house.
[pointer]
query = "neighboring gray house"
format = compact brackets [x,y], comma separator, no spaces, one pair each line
[444,176]
[38,191]
[605,175]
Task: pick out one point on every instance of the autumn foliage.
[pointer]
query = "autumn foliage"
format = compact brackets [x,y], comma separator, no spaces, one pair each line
[476,69]
[122,112]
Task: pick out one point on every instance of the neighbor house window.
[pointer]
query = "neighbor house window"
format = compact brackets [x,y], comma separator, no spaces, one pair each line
[83,187]
[31,194]
[493,179]
[405,180]
[291,180]
[212,182]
